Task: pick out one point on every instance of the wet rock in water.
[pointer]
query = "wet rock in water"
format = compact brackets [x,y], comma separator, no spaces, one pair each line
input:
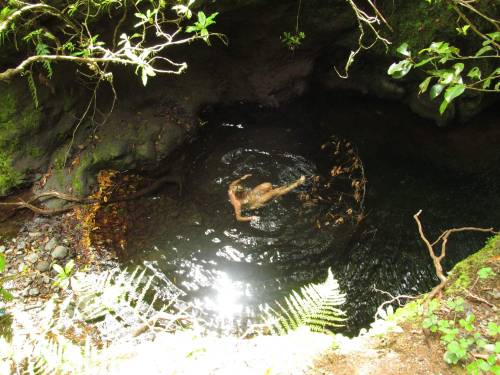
[43,266]
[49,246]
[59,252]
[34,292]
[2,249]
[31,258]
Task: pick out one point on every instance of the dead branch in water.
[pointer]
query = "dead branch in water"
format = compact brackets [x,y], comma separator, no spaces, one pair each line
[436,259]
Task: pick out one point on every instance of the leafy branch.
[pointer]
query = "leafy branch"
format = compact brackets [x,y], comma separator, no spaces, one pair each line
[449,70]
[73,39]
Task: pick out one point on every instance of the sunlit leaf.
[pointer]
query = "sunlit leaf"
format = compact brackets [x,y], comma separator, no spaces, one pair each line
[483,50]
[58,269]
[423,86]
[474,73]
[436,90]
[453,91]
[403,50]
[400,69]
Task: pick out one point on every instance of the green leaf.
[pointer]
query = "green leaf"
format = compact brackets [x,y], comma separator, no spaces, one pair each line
[69,267]
[191,29]
[463,30]
[423,62]
[459,67]
[2,262]
[202,18]
[424,84]
[474,73]
[453,91]
[483,50]
[403,50]
[400,69]
[58,269]
[450,358]
[6,295]
[436,90]
[495,36]
[447,77]
[443,106]
[485,272]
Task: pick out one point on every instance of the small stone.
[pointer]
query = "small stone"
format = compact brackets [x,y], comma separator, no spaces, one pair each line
[20,268]
[46,280]
[43,266]
[59,252]
[31,258]
[2,249]
[8,251]
[34,234]
[20,253]
[49,246]
[34,292]
[21,245]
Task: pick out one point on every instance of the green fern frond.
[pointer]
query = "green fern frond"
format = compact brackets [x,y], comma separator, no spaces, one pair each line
[43,49]
[33,90]
[315,307]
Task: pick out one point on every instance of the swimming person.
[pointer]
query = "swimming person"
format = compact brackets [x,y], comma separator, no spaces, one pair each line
[245,198]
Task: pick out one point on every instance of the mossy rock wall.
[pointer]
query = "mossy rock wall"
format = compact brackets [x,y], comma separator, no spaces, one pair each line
[28,134]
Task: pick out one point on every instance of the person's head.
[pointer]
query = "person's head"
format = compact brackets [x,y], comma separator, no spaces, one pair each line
[240,191]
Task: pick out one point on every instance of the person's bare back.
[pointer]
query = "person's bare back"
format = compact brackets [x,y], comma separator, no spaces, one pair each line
[252,199]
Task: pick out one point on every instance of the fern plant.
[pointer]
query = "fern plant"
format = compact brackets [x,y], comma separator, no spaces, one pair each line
[314,306]
[33,90]
[76,334]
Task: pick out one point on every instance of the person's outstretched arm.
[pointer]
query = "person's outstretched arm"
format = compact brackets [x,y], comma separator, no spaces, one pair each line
[282,190]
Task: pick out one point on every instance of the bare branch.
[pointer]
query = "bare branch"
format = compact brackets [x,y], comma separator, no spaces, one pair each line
[437,259]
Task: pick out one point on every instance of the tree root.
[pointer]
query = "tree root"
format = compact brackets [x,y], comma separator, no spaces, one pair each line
[436,259]
[30,204]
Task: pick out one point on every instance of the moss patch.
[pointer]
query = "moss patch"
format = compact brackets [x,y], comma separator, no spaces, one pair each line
[18,119]
[464,272]
[9,177]
[419,24]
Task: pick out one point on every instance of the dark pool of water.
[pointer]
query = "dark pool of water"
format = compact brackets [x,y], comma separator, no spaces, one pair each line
[229,268]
